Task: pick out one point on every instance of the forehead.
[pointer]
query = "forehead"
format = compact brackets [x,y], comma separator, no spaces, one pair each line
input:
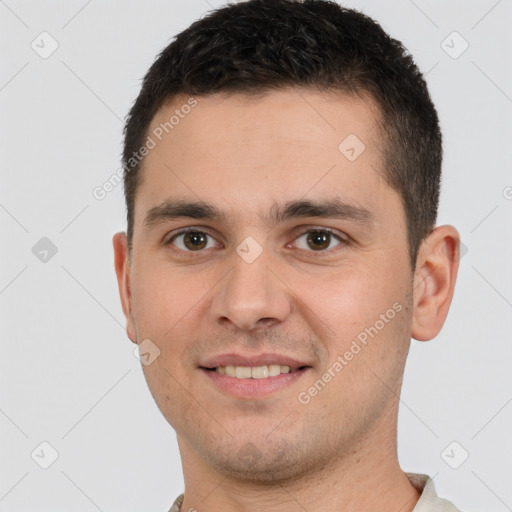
[241,151]
[272,119]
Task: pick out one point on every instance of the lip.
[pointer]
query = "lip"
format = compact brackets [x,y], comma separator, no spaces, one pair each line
[253,388]
[252,360]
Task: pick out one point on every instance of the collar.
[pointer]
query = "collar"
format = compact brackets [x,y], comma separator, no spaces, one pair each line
[429,500]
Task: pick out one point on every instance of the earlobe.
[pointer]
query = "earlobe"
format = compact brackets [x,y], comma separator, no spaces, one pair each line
[122,267]
[434,281]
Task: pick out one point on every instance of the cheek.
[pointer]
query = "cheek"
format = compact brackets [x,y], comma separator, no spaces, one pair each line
[166,308]
[165,298]
[365,335]
[362,303]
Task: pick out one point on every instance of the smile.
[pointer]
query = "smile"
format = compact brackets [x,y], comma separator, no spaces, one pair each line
[255,372]
[256,382]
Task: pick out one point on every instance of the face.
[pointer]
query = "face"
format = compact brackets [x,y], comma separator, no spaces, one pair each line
[265,237]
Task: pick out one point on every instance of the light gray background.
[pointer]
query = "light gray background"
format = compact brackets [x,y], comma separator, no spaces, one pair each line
[68,375]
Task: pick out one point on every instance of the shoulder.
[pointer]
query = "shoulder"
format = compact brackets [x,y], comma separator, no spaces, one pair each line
[176,506]
[429,500]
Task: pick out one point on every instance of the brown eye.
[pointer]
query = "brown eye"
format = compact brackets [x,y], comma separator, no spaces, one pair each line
[317,240]
[195,240]
[191,241]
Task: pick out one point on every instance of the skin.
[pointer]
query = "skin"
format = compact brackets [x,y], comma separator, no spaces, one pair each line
[244,155]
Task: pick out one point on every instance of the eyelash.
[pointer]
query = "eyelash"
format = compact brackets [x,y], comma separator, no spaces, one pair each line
[343,240]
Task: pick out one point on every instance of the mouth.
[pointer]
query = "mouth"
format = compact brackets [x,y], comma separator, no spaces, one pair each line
[251,377]
[255,372]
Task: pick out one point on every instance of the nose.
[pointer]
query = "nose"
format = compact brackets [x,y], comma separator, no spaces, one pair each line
[251,296]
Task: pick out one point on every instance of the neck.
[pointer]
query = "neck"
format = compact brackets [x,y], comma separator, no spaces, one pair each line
[367,478]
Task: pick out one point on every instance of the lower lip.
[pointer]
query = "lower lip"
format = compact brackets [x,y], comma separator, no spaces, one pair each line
[253,388]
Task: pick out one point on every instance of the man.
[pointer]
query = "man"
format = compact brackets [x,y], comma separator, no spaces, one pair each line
[282,168]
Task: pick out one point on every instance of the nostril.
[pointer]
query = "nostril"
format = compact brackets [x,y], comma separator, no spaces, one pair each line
[267,321]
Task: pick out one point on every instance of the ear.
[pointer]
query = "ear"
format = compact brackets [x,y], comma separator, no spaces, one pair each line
[122,265]
[434,281]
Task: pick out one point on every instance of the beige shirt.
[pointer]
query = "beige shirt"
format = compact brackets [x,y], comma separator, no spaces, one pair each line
[428,502]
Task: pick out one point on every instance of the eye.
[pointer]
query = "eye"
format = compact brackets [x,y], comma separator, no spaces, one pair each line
[317,240]
[192,240]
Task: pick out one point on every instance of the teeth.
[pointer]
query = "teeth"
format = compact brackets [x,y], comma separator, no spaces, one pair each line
[274,369]
[243,372]
[255,372]
[259,372]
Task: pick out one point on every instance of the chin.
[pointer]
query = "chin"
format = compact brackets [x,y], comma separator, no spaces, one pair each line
[273,464]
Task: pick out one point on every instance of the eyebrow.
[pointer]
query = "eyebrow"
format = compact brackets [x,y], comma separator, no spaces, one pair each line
[175,209]
[332,209]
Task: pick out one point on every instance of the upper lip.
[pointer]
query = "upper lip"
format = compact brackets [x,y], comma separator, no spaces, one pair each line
[252,360]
